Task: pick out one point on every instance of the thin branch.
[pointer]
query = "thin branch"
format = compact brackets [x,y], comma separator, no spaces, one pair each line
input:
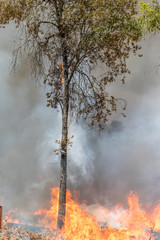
[47,22]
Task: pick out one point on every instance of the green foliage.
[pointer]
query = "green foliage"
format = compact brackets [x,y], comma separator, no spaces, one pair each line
[150,16]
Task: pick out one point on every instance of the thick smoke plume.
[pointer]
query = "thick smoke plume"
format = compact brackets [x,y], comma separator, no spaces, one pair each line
[103,167]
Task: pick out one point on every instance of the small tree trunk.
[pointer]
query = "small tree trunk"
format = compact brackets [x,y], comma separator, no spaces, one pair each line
[64,142]
[63,173]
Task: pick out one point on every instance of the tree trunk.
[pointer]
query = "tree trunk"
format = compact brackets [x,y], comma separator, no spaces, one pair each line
[64,142]
[63,172]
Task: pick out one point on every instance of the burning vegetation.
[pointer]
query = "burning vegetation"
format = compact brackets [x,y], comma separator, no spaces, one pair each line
[118,223]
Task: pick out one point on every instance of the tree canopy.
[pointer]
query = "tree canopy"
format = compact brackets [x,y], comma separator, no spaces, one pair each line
[94,31]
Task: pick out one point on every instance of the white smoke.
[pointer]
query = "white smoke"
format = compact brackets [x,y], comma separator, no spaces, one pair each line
[126,154]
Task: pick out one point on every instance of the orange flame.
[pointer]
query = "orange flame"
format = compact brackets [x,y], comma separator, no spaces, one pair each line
[122,224]
[10,217]
[62,81]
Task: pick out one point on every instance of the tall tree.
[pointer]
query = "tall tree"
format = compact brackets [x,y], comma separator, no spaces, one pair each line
[65,40]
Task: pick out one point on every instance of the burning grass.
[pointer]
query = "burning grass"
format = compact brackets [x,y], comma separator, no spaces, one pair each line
[122,224]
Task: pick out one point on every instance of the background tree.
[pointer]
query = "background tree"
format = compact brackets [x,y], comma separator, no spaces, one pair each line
[64,41]
[150,16]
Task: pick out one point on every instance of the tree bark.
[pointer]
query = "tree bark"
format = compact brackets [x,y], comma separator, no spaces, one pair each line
[65,109]
[63,171]
[64,142]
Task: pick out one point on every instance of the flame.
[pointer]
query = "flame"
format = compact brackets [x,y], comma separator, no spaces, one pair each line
[62,80]
[122,224]
[10,217]
[81,222]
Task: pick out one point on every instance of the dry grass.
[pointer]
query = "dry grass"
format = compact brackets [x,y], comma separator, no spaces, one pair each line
[17,233]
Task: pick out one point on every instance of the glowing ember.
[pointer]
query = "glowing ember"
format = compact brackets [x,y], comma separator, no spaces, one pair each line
[62,79]
[62,73]
[121,224]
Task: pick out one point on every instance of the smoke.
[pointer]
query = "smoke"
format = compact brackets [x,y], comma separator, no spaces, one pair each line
[125,157]
[28,133]
[103,167]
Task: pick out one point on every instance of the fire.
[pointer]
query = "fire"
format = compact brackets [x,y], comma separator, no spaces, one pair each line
[10,217]
[118,223]
[62,81]
[122,224]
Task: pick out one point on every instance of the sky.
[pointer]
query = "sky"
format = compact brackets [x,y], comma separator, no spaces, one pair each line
[104,167]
